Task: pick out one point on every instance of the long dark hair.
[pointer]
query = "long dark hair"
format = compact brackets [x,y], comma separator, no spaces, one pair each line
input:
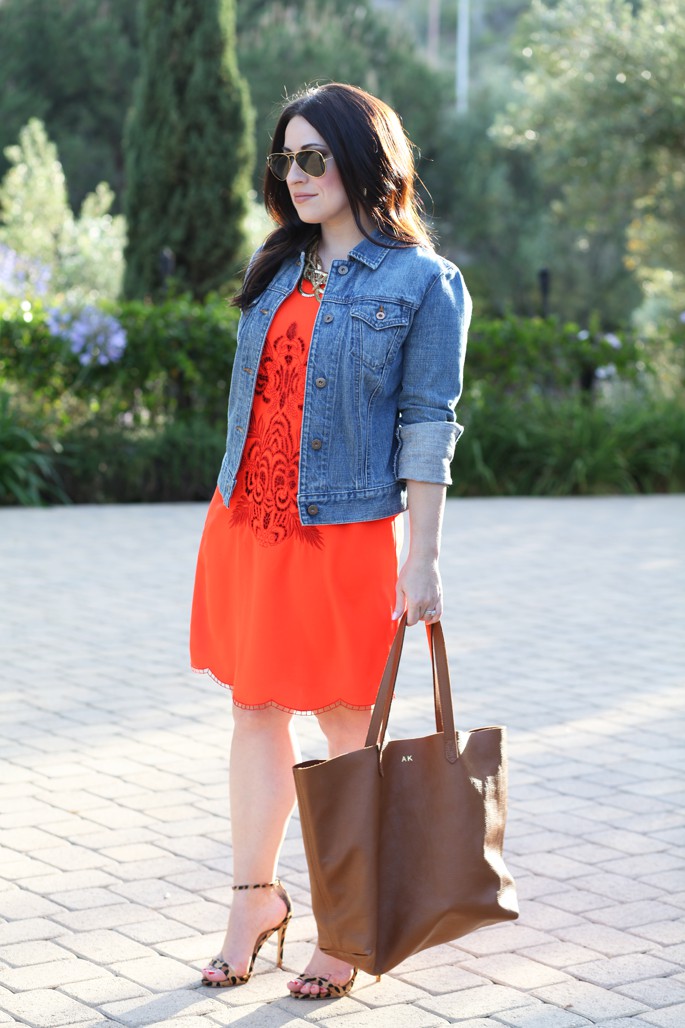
[374,157]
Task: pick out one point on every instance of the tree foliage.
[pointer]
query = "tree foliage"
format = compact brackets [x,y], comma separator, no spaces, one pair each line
[489,202]
[581,174]
[189,149]
[286,46]
[76,259]
[70,63]
[600,105]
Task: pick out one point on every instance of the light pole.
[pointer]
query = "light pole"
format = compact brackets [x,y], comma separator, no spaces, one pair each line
[434,31]
[462,66]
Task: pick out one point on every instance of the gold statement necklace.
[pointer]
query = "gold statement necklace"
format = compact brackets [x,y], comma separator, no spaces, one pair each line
[313,272]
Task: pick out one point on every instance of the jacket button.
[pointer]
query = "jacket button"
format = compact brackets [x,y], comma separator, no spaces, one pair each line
[316,444]
[343,269]
[312,509]
[320,383]
[328,318]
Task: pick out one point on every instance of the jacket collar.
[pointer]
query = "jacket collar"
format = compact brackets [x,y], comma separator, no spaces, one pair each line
[370,252]
[367,251]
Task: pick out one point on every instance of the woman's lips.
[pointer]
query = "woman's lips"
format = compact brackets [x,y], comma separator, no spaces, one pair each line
[303,197]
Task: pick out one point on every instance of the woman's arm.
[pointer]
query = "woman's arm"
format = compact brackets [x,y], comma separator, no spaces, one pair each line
[433,362]
[418,585]
[432,369]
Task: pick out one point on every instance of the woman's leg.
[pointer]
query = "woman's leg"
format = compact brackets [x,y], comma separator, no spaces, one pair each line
[262,796]
[345,730]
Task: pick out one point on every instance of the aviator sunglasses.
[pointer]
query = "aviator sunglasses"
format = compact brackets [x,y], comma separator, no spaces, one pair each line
[311,162]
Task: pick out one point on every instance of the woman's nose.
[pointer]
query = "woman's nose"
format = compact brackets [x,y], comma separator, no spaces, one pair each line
[296,174]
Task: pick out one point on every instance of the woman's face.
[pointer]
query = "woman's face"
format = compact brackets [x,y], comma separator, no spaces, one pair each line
[318,201]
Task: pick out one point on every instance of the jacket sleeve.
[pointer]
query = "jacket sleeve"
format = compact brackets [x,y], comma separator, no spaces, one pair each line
[432,373]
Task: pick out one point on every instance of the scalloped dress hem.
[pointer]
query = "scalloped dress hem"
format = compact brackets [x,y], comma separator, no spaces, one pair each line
[279,706]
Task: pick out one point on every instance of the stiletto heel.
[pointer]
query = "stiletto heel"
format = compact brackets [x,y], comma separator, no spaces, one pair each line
[281,941]
[219,966]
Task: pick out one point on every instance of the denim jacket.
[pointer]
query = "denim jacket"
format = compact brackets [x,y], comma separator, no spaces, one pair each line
[384,374]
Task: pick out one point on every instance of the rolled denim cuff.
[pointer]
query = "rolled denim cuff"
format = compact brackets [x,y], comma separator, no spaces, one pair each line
[426,450]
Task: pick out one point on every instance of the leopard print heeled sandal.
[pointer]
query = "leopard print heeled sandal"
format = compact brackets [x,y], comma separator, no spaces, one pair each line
[220,966]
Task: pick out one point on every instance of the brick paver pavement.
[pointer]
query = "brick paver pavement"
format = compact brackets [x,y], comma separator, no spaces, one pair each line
[564,621]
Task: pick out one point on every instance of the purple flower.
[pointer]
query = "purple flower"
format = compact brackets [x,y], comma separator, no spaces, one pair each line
[57,321]
[94,336]
[612,340]
[19,275]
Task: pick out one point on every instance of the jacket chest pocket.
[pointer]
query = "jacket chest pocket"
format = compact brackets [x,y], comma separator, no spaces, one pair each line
[377,329]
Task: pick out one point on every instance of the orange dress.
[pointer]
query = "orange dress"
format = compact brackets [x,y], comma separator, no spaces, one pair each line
[285,615]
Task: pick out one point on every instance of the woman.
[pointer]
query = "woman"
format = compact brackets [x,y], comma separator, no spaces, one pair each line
[341,415]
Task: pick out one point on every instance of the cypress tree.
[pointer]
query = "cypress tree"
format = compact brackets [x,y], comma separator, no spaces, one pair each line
[189,149]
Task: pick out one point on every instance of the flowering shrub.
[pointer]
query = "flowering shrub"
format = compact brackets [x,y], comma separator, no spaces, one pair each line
[21,275]
[136,362]
[94,336]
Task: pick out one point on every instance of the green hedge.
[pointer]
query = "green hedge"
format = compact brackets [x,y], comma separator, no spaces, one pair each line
[28,460]
[104,464]
[179,354]
[150,425]
[571,448]
[545,357]
[176,364]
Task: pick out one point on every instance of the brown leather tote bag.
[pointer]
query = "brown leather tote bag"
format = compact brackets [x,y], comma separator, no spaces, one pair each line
[404,841]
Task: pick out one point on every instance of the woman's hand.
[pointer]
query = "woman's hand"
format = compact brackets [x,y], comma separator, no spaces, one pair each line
[419,589]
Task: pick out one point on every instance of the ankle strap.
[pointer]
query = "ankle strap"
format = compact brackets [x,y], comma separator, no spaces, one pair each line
[263,885]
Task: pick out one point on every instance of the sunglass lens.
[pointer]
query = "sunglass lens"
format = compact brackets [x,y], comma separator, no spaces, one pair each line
[279,165]
[311,162]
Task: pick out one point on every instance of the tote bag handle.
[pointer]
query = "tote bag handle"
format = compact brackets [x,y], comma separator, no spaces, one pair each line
[442,692]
